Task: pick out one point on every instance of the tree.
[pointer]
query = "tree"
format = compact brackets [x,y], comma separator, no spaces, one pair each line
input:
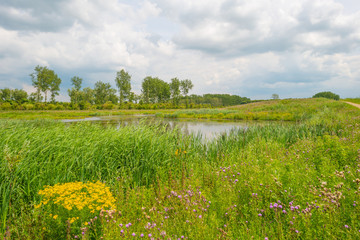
[5,94]
[155,90]
[123,83]
[44,80]
[76,82]
[88,95]
[54,87]
[103,93]
[19,95]
[75,92]
[175,90]
[328,95]
[186,85]
[275,96]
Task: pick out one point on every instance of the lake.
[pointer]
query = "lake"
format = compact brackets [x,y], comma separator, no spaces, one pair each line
[208,129]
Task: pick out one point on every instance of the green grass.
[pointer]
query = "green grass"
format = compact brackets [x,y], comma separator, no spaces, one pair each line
[284,110]
[220,189]
[70,114]
[353,100]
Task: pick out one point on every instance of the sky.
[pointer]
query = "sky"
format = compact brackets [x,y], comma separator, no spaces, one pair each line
[244,47]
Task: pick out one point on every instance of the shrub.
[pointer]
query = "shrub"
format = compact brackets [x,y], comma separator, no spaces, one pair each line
[328,95]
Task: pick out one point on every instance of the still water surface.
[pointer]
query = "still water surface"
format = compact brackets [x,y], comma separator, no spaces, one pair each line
[206,128]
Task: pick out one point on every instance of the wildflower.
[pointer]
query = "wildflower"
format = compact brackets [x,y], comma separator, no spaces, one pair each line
[142,235]
[346,226]
[122,231]
[200,216]
[296,231]
[133,234]
[259,214]
[55,216]
[149,235]
[266,238]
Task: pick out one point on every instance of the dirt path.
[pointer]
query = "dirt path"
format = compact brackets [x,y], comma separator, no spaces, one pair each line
[354,104]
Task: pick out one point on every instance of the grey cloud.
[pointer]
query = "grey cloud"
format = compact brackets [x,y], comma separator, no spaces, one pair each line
[40,15]
[234,32]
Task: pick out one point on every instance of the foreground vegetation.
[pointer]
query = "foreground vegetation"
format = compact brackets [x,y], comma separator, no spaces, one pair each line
[274,181]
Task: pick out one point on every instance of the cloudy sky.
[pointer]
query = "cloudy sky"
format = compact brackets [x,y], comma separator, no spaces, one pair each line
[251,48]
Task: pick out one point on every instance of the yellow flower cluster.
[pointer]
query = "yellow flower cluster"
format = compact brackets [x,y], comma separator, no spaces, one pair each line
[78,195]
[179,152]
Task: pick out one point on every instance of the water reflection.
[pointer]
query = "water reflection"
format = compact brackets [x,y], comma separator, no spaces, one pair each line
[206,128]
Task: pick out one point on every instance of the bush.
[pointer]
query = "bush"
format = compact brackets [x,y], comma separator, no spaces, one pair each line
[328,95]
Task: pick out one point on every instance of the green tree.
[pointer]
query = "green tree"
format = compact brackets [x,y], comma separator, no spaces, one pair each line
[175,90]
[123,83]
[328,95]
[155,90]
[185,86]
[275,96]
[103,92]
[54,87]
[19,95]
[75,93]
[5,94]
[44,80]
[88,95]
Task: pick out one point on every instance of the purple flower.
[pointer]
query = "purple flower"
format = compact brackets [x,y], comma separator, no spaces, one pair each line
[133,234]
[346,226]
[149,235]
[259,214]
[266,238]
[200,216]
[76,236]
[296,231]
[284,211]
[122,231]
[127,225]
[275,205]
[271,206]
[142,235]
[83,233]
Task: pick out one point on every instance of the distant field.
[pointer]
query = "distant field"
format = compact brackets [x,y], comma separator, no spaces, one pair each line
[353,100]
[285,110]
[70,114]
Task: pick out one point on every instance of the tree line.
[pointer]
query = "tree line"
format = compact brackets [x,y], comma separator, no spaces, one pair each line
[155,93]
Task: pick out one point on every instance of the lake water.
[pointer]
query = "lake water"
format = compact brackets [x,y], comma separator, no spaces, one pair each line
[208,129]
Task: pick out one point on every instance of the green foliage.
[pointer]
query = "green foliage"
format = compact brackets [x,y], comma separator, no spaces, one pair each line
[44,80]
[328,95]
[103,92]
[122,80]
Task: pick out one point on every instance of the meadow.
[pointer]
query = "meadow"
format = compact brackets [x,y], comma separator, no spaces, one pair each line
[273,181]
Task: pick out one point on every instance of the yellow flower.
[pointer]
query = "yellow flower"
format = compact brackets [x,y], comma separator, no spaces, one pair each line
[55,216]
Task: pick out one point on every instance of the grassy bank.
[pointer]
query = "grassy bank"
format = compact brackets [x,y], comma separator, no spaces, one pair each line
[285,110]
[297,181]
[353,100]
[71,114]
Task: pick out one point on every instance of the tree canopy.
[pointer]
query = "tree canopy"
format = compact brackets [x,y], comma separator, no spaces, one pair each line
[328,95]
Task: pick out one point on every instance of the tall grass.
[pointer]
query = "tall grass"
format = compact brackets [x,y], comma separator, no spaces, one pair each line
[222,189]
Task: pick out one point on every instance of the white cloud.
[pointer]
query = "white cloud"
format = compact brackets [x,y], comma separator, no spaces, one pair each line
[251,48]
